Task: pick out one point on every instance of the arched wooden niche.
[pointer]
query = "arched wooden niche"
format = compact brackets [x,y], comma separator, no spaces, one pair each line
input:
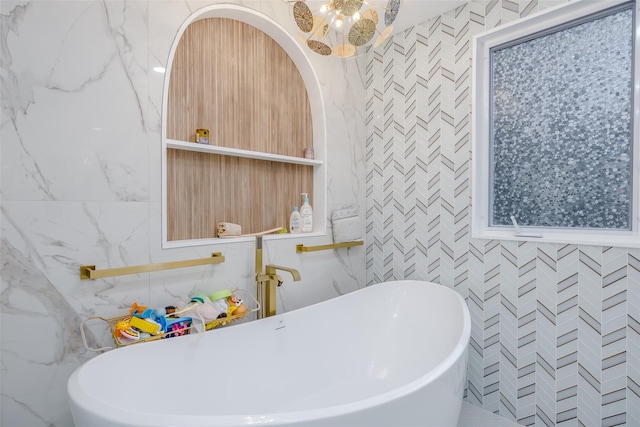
[233,79]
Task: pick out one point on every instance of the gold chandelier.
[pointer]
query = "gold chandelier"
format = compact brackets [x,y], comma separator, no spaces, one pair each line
[356,23]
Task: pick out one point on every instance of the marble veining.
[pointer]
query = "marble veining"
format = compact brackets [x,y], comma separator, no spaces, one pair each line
[80,184]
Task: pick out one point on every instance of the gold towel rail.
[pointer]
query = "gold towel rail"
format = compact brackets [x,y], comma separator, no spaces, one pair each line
[303,248]
[90,272]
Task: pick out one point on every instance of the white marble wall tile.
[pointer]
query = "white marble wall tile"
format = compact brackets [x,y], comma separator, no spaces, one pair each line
[60,135]
[58,237]
[81,184]
[325,274]
[40,344]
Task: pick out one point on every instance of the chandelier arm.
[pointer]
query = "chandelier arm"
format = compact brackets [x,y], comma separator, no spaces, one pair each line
[355,23]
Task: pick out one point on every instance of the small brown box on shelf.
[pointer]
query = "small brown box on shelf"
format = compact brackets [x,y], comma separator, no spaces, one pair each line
[202,136]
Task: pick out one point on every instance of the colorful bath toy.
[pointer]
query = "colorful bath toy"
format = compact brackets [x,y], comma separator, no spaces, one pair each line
[179,326]
[241,308]
[129,336]
[136,309]
[200,298]
[218,295]
[146,325]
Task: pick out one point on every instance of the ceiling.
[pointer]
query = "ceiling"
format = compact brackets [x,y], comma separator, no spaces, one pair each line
[411,12]
[414,12]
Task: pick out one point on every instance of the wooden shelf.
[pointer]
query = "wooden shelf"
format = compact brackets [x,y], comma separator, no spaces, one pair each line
[214,149]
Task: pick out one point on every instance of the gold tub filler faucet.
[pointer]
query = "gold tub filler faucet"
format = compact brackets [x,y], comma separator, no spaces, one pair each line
[268,281]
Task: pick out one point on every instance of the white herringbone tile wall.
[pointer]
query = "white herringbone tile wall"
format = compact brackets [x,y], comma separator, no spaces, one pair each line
[555,328]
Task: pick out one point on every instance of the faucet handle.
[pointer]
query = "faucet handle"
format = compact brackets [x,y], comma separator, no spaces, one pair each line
[279,279]
[271,269]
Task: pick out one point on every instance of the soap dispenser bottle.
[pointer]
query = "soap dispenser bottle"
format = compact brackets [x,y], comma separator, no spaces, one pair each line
[307,214]
[295,221]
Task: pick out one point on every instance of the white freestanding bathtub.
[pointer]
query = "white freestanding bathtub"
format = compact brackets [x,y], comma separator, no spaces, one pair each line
[392,354]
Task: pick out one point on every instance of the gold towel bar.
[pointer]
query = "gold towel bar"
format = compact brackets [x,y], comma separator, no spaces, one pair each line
[90,272]
[302,248]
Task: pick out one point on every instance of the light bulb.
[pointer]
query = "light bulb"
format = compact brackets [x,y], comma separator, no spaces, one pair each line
[356,16]
[339,21]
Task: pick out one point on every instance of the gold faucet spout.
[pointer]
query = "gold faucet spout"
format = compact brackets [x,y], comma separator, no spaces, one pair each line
[268,282]
[270,269]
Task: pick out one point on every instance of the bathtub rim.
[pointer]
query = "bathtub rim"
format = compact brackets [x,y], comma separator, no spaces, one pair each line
[143,418]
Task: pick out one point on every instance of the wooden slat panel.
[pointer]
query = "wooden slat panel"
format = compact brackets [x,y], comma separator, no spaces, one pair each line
[236,81]
[205,189]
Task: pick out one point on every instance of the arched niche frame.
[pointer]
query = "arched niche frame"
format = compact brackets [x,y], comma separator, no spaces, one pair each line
[316,104]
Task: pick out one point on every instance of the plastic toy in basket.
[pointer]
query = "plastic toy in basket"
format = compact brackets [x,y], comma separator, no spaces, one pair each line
[178,327]
[143,324]
[146,325]
[219,308]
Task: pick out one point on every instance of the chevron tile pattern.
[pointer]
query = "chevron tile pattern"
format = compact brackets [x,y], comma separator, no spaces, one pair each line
[555,336]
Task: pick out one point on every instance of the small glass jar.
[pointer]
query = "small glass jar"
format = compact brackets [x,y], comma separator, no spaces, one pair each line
[308,153]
